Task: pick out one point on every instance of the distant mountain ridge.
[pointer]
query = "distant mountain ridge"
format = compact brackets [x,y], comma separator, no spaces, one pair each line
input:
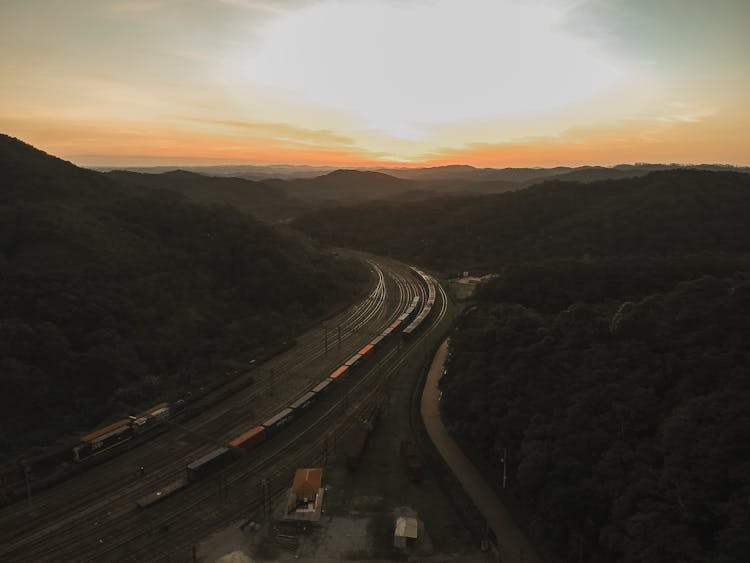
[452,172]
[113,292]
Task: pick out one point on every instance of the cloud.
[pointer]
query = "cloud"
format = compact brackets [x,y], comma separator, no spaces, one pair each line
[282,132]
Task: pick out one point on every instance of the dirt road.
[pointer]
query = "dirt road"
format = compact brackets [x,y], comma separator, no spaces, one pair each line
[513,544]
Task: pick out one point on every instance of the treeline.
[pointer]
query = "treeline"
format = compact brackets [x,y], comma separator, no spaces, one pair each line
[663,213]
[608,357]
[110,295]
[625,415]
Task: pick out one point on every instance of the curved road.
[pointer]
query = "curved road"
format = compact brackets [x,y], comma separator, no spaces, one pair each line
[513,544]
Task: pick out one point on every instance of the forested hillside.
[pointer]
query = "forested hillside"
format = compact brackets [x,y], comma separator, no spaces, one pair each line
[263,201]
[110,294]
[625,413]
[662,213]
[608,357]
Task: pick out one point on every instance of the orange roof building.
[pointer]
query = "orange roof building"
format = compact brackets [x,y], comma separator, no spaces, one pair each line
[306,483]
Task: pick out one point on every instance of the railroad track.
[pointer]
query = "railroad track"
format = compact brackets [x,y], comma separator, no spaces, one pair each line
[304,448]
[80,527]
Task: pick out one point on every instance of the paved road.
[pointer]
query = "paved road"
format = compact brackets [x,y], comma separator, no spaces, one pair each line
[514,546]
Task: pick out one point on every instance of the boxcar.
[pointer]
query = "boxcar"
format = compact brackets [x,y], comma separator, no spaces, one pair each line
[212,461]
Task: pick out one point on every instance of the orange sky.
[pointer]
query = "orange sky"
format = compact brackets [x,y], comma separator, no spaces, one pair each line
[369,83]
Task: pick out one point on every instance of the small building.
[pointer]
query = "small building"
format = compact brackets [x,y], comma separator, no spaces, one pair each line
[306,495]
[307,484]
[405,532]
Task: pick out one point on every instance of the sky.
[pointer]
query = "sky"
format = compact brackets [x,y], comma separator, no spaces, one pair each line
[491,83]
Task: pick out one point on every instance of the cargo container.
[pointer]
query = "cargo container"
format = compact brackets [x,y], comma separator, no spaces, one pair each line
[248,440]
[339,372]
[412,459]
[212,461]
[376,341]
[357,447]
[276,422]
[386,332]
[106,430]
[304,402]
[353,361]
[395,324]
[366,350]
[322,387]
[102,443]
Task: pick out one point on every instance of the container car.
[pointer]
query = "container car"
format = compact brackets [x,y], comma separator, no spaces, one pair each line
[376,341]
[323,387]
[304,402]
[278,421]
[340,371]
[209,463]
[248,440]
[106,430]
[366,350]
[353,361]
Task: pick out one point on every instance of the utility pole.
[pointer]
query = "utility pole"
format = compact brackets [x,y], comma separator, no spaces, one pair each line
[264,486]
[505,473]
[28,485]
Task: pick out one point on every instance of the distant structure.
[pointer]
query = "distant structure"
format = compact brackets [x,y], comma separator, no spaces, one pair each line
[306,495]
[406,532]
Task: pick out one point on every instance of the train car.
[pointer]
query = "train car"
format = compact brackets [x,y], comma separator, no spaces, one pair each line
[150,418]
[387,332]
[278,421]
[323,387]
[353,361]
[339,372]
[376,341]
[106,430]
[249,440]
[366,350]
[209,463]
[412,459]
[304,402]
[102,442]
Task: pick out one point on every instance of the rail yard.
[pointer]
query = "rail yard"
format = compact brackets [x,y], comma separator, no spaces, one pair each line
[229,460]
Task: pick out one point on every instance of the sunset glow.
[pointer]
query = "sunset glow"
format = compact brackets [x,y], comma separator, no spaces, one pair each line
[368,82]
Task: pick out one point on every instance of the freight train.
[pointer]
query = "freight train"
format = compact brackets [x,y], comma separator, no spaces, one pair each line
[407,323]
[90,445]
[118,433]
